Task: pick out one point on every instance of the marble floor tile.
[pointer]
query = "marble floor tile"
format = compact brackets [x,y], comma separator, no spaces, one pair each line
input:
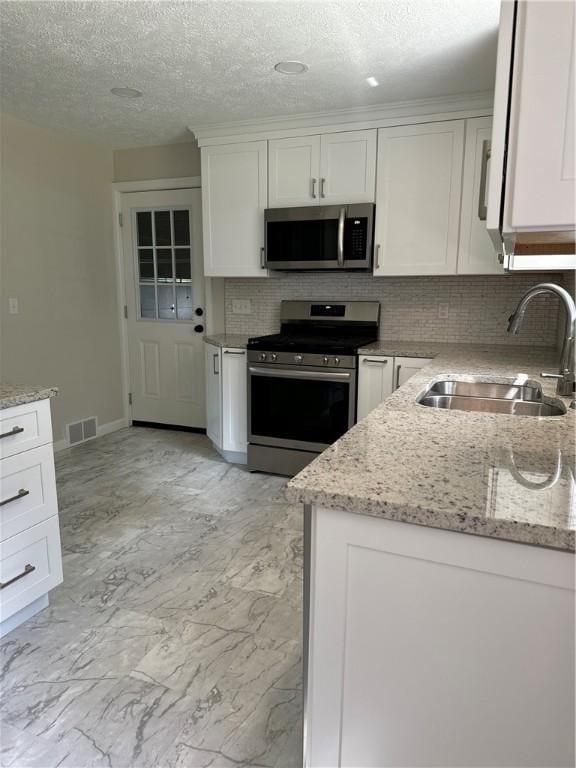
[175,639]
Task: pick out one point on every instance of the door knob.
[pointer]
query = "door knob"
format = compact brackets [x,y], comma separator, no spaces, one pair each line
[198,328]
[199,311]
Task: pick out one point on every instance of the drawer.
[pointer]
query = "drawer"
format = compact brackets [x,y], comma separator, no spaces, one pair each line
[30,565]
[27,490]
[25,426]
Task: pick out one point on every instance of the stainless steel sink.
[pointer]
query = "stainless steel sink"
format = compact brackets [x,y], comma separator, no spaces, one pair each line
[488,389]
[491,397]
[493,405]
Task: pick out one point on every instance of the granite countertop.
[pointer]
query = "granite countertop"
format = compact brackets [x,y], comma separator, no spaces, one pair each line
[494,475]
[232,340]
[17,394]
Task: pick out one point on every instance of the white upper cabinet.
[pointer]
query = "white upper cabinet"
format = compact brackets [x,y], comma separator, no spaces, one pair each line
[541,184]
[322,170]
[347,167]
[294,171]
[234,193]
[476,253]
[418,192]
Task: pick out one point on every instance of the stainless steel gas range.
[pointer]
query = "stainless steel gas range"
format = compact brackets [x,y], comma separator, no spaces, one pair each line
[302,381]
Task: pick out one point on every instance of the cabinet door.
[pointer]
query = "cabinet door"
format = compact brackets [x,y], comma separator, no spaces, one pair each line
[213,367]
[374,382]
[234,402]
[418,192]
[542,167]
[406,367]
[234,186]
[347,167]
[476,252]
[294,170]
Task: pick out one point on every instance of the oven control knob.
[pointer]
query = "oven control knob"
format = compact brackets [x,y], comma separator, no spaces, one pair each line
[325,361]
[336,361]
[262,356]
[298,358]
[273,357]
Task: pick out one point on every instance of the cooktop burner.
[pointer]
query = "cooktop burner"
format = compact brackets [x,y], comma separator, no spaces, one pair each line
[338,328]
[319,343]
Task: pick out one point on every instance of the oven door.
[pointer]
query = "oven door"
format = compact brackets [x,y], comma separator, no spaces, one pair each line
[302,408]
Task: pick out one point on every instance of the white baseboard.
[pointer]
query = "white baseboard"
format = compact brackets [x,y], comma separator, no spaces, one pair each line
[102,429]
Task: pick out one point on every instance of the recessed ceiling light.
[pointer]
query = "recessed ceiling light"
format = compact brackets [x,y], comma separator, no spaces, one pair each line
[126,93]
[291,67]
[372,82]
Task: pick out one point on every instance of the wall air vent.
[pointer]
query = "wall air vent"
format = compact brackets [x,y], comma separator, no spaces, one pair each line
[81,431]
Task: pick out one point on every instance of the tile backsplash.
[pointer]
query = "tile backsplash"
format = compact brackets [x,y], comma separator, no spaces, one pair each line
[454,308]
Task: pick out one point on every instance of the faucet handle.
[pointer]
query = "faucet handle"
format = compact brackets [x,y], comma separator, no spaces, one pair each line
[545,375]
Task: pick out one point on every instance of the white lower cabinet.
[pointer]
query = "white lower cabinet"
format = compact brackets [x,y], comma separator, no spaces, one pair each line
[30,553]
[213,368]
[379,376]
[226,401]
[406,367]
[434,648]
[375,377]
[234,401]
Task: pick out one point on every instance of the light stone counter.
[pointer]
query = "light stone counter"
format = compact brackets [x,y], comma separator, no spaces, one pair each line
[17,394]
[232,340]
[500,476]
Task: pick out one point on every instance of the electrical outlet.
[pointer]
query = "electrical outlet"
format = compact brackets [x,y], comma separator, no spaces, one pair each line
[13,306]
[241,306]
[443,311]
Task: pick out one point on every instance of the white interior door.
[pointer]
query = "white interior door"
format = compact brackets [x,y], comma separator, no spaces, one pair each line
[162,239]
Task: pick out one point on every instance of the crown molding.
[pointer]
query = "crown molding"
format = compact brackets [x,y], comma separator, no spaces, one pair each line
[380,115]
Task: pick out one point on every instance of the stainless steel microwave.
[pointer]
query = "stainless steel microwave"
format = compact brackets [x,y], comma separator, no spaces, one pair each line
[320,237]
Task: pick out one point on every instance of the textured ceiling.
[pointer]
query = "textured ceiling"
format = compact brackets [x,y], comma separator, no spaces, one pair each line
[212,61]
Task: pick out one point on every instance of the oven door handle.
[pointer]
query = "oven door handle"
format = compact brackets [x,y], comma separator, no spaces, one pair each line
[277,373]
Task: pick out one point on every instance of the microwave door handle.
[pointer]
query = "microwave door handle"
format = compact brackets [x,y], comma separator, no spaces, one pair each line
[341,221]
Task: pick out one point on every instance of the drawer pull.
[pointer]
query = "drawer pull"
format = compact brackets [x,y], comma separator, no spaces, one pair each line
[27,569]
[20,495]
[13,431]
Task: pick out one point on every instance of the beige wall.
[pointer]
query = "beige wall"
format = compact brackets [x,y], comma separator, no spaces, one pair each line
[57,259]
[162,162]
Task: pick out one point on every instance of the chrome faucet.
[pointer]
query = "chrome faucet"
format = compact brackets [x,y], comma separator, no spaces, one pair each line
[565,376]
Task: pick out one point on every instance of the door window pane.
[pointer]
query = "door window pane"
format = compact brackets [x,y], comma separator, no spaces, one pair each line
[183,264]
[166,308]
[164,264]
[146,263]
[162,224]
[147,301]
[181,228]
[144,227]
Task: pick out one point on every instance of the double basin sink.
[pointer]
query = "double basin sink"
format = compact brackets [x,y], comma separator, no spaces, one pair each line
[491,397]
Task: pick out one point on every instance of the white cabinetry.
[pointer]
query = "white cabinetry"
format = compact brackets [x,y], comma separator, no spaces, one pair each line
[213,369]
[444,635]
[418,193]
[30,554]
[234,194]
[533,137]
[329,169]
[379,376]
[347,167]
[406,367]
[294,171]
[226,401]
[234,401]
[476,252]
[375,382]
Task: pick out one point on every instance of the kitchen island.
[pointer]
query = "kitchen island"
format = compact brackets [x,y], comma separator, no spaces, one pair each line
[440,577]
